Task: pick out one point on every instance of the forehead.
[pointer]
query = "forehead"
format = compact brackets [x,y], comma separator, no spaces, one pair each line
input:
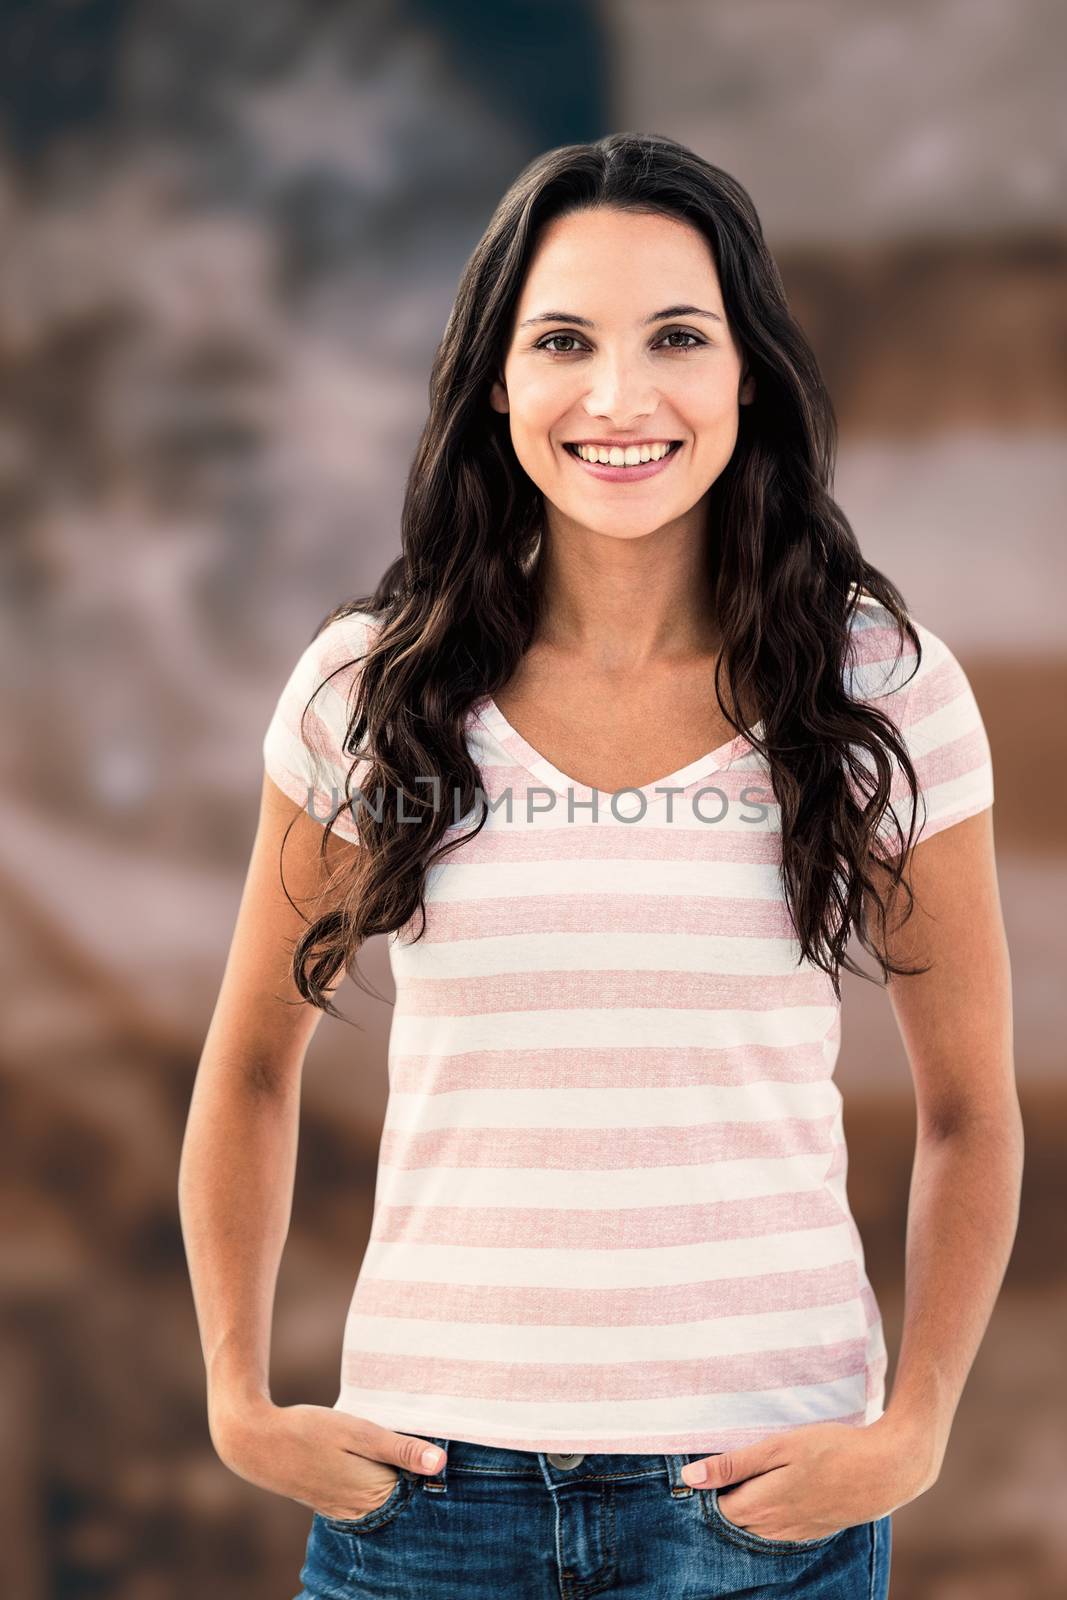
[577,262]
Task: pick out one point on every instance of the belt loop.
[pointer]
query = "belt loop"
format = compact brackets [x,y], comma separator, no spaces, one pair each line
[676,1483]
[437,1482]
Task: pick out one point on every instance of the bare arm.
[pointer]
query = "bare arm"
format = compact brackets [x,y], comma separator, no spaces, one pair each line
[956,1024]
[239,1154]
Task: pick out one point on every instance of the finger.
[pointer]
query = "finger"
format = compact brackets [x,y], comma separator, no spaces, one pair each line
[400,1449]
[728,1466]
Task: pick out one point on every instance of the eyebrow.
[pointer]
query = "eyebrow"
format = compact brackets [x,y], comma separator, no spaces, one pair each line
[585,322]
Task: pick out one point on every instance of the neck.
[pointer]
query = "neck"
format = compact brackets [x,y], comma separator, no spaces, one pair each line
[627,603]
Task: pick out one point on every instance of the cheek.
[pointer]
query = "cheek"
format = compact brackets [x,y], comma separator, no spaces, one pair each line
[542,395]
[715,412]
[705,399]
[717,383]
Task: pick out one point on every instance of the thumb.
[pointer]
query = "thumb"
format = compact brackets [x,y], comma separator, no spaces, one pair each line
[729,1466]
[405,1450]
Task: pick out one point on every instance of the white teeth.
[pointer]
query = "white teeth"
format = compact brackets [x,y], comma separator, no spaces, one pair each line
[615,456]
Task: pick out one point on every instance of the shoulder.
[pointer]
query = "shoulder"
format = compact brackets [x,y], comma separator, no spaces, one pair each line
[883,663]
[331,659]
[344,634]
[325,671]
[305,747]
[931,702]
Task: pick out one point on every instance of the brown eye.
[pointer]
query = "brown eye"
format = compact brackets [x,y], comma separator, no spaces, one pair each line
[543,344]
[684,334]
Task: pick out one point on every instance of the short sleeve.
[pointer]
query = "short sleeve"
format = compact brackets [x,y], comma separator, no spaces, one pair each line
[303,748]
[938,718]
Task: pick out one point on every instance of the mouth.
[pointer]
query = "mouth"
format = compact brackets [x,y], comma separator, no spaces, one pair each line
[624,474]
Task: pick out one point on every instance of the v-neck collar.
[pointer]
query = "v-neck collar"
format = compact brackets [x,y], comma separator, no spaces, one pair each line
[492,718]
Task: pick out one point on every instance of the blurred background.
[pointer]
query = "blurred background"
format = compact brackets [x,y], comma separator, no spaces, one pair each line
[232,234]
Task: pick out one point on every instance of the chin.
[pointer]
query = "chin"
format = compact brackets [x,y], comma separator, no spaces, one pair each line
[617,527]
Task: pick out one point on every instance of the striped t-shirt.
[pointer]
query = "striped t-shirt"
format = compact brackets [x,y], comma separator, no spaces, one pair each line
[610,1211]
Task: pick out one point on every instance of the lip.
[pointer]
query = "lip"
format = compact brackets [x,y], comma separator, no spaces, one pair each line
[647,469]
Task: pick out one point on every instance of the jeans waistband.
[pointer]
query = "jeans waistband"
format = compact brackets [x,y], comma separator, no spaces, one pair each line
[493,1460]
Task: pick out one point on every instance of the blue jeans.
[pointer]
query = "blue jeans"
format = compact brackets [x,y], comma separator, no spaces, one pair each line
[541,1526]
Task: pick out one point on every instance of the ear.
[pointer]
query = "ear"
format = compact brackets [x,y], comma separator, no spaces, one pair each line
[747,392]
[498,396]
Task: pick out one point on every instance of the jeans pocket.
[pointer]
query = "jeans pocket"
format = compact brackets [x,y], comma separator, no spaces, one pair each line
[756,1541]
[394,1502]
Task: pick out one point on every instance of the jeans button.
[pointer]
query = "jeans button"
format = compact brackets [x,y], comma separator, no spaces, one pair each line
[565,1461]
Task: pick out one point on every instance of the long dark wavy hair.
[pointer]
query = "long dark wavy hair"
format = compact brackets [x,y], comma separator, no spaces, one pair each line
[457,610]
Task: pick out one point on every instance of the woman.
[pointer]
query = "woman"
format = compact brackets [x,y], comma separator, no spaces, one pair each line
[613,1332]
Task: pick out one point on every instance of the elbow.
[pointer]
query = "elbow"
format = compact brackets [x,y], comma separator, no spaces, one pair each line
[1003,1126]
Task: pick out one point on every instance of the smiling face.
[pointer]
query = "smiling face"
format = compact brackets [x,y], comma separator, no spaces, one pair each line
[593,359]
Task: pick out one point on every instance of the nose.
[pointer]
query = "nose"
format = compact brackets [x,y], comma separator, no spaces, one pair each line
[619,395]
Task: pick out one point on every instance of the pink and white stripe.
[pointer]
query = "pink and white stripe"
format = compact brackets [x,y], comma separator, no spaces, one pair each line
[610,1211]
